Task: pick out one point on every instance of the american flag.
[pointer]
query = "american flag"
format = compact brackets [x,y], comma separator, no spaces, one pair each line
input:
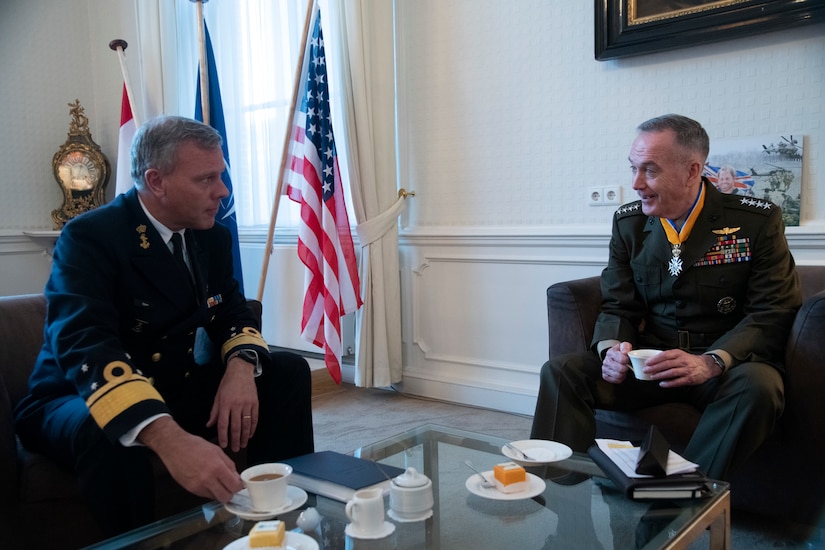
[324,239]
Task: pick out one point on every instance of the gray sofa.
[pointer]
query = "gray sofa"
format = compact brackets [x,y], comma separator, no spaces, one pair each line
[785,479]
[40,506]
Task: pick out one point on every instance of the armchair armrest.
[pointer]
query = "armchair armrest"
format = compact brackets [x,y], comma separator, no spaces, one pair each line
[572,309]
[805,377]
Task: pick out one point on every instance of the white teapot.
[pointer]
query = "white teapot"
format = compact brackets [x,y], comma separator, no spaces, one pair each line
[411,496]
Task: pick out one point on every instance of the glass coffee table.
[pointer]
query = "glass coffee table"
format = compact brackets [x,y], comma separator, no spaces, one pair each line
[583,512]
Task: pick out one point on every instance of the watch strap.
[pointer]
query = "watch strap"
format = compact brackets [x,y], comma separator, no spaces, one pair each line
[250,356]
[719,361]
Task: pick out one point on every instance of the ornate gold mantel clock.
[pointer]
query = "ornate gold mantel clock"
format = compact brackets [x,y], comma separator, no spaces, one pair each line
[80,168]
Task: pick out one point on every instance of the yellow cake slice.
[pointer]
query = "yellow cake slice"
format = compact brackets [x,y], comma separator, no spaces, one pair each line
[267,534]
[509,477]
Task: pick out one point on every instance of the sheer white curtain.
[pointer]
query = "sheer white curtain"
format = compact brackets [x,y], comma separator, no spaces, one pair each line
[362,39]
[256,45]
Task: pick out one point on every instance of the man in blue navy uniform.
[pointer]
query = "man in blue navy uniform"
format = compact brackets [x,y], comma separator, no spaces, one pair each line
[150,347]
[705,276]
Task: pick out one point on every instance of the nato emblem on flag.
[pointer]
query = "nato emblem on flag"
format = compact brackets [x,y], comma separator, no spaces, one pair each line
[226,212]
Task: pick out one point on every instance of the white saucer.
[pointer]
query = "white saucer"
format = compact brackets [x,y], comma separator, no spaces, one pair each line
[399,519]
[294,541]
[241,504]
[540,451]
[385,531]
[474,482]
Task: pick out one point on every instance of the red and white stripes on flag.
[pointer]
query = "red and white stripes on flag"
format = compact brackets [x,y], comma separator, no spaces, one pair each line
[324,238]
[124,145]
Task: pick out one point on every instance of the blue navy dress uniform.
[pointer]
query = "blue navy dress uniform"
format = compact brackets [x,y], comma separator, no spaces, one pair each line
[129,335]
[738,291]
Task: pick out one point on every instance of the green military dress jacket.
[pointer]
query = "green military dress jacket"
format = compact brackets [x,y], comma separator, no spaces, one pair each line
[738,290]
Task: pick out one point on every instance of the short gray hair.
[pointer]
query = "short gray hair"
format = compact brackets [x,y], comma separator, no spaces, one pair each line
[156,143]
[689,134]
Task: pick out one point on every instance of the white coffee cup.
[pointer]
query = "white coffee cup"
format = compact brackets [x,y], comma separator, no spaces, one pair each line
[267,484]
[366,511]
[638,358]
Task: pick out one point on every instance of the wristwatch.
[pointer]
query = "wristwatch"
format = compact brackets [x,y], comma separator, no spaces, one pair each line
[719,361]
[250,357]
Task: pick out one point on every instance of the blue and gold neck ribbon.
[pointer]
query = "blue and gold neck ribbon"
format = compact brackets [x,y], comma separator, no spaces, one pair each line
[677,237]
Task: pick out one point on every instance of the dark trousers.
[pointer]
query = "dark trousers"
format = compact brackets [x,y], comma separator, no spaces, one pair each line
[739,409]
[118,483]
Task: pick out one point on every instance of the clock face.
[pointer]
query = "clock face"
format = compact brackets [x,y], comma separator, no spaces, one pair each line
[77,172]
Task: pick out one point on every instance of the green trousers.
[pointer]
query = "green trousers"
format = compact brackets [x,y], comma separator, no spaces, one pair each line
[739,409]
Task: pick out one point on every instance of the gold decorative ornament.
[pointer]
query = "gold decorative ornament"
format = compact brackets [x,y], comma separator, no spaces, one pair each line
[80,168]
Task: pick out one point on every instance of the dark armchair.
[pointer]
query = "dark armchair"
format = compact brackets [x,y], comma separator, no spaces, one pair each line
[785,478]
[40,505]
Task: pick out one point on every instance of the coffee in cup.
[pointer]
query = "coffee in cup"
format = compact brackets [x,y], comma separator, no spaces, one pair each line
[267,484]
[638,358]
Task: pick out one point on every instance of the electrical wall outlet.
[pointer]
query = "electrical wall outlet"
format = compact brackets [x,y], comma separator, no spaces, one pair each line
[604,196]
[595,196]
[612,195]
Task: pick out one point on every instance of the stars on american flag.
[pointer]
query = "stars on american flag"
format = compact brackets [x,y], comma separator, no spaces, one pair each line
[324,239]
[319,125]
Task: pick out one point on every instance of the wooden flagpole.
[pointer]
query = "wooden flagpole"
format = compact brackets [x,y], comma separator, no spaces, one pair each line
[296,85]
[203,69]
[119,46]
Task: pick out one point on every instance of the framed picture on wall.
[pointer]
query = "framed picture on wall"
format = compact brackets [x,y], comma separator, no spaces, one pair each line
[633,27]
[762,168]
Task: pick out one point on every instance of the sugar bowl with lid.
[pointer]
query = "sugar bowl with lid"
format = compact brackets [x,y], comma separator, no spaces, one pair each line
[411,496]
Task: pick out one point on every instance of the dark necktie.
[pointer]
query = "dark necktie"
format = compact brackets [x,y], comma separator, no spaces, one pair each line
[177,251]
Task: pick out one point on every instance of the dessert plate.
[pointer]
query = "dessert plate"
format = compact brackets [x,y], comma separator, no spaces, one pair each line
[293,540]
[540,451]
[474,485]
[241,504]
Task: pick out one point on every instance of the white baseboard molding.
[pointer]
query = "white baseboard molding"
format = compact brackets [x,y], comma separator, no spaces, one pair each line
[495,398]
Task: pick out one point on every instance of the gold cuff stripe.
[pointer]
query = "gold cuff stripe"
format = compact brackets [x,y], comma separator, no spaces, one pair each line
[123,390]
[251,338]
[120,397]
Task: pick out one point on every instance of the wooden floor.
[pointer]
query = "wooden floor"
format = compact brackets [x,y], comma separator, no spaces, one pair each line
[322,382]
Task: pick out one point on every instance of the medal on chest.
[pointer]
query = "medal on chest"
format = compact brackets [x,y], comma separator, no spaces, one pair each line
[674,266]
[676,236]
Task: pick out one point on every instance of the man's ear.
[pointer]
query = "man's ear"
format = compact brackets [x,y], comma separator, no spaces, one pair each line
[154,182]
[695,170]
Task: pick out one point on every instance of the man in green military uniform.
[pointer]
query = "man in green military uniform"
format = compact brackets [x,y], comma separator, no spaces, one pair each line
[705,276]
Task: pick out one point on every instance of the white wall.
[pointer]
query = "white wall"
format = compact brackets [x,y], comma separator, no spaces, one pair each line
[504,120]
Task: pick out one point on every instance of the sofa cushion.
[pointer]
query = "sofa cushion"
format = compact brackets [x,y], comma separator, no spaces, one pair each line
[42,479]
[22,319]
[8,454]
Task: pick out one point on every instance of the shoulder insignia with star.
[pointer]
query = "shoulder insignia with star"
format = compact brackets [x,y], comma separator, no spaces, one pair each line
[630,209]
[750,204]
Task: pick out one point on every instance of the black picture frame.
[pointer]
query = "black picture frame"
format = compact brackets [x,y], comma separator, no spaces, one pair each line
[633,27]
